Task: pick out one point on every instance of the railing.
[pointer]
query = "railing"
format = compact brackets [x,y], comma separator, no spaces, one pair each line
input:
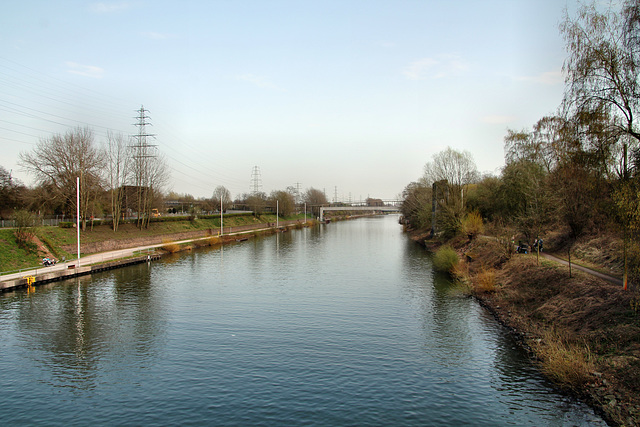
[249,227]
[84,262]
[54,222]
[34,270]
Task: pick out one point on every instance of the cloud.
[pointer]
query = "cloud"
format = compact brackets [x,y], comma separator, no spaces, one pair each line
[546,78]
[109,7]
[85,70]
[435,68]
[260,81]
[496,119]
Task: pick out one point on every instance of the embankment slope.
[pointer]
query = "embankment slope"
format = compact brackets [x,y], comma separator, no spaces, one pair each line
[583,331]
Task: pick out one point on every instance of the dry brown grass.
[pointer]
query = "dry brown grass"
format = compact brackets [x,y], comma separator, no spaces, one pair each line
[601,251]
[170,247]
[209,241]
[485,280]
[460,272]
[213,240]
[568,364]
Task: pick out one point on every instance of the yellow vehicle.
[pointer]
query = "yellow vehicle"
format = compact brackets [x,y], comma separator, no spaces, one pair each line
[155,213]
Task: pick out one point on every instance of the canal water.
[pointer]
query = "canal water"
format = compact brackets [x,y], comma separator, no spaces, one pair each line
[341,324]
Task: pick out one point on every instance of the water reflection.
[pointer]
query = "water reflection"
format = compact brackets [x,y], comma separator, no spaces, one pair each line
[77,327]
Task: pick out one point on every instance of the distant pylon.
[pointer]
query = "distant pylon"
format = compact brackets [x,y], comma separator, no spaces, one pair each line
[256,180]
[141,147]
[298,196]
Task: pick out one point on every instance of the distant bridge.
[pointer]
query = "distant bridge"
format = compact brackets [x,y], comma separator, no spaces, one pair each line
[391,206]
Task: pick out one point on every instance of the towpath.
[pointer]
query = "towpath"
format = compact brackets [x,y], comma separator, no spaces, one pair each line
[97,258]
[602,276]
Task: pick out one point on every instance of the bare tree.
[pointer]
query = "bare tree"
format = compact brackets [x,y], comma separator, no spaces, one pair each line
[548,136]
[58,160]
[603,68]
[449,175]
[544,146]
[25,222]
[12,193]
[156,178]
[150,174]
[286,204]
[150,170]
[118,172]
[457,168]
[222,196]
[315,199]
[256,201]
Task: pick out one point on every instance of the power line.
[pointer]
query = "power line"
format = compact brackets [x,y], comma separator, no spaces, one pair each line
[38,86]
[41,103]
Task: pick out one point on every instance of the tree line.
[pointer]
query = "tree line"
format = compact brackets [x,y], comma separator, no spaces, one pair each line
[286,202]
[112,177]
[578,168]
[119,178]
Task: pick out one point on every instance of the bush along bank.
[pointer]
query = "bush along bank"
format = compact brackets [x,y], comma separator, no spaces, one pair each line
[582,332]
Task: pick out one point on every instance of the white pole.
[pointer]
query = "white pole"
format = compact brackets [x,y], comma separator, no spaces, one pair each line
[78,215]
[277,211]
[221,219]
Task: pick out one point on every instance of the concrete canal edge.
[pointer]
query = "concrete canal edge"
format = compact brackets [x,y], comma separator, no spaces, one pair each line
[34,278]
[72,271]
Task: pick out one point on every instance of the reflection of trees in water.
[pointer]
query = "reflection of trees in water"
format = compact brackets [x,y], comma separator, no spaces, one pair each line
[172,258]
[75,324]
[469,344]
[445,314]
[284,243]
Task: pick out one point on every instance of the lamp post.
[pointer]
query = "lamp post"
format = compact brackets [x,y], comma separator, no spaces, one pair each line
[78,215]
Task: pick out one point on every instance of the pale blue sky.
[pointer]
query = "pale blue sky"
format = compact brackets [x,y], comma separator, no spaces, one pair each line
[353,94]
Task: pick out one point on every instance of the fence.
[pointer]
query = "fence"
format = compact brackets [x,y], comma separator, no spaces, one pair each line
[249,227]
[10,223]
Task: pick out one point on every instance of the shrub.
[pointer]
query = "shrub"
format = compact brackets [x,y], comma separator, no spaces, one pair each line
[213,240]
[25,221]
[170,247]
[445,259]
[486,280]
[450,220]
[66,224]
[472,224]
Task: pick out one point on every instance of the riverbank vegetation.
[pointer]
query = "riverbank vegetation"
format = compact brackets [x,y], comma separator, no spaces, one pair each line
[570,184]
